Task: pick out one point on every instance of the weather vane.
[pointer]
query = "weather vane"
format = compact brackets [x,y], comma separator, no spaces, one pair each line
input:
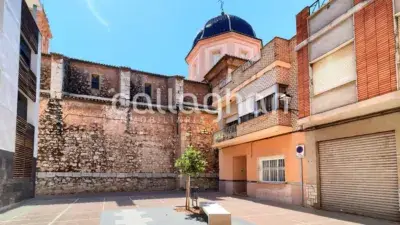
[222,5]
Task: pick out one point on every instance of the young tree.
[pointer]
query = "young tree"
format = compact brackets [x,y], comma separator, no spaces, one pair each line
[191,163]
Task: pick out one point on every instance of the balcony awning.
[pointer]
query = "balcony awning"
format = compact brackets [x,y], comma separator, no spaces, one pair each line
[232,118]
[247,106]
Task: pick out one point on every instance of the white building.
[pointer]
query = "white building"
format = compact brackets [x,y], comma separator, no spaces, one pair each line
[20,58]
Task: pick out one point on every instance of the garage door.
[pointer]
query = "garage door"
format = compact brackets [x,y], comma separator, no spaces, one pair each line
[359,175]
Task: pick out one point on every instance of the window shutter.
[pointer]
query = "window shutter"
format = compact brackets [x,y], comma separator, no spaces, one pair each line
[231,119]
[335,70]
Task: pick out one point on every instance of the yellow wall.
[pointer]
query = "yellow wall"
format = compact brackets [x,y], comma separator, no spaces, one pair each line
[283,145]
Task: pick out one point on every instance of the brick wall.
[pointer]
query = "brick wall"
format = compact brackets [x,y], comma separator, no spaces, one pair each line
[276,49]
[375,49]
[303,64]
[77,80]
[264,122]
[158,83]
[292,89]
[78,75]
[200,90]
[45,31]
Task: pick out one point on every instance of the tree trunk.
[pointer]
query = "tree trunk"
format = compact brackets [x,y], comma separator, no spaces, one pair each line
[187,192]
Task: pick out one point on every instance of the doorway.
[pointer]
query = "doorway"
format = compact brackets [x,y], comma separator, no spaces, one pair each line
[240,175]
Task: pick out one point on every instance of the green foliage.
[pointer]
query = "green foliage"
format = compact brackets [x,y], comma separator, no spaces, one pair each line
[191,163]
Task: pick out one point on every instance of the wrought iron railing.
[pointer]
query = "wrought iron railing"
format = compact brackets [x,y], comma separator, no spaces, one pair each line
[227,133]
[317,5]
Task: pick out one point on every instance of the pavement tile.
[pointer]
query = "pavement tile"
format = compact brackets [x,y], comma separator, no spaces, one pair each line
[78,222]
[69,216]
[88,211]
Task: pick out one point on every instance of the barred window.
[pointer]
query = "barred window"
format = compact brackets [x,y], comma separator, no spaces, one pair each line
[272,169]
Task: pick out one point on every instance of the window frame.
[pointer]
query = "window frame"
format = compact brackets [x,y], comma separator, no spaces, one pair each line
[215,59]
[277,168]
[148,85]
[22,106]
[25,51]
[244,54]
[269,107]
[282,89]
[98,83]
[247,117]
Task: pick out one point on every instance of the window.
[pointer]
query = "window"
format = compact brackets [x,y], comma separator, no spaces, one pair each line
[247,117]
[334,70]
[216,56]
[244,54]
[272,169]
[282,90]
[95,81]
[25,52]
[233,123]
[266,104]
[22,106]
[147,89]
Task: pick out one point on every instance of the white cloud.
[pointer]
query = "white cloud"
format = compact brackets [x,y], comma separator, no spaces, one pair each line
[96,14]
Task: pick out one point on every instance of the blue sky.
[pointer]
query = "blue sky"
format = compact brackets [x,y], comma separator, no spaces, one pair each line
[155,35]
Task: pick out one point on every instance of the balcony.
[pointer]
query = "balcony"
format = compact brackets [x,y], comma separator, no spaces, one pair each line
[264,126]
[225,134]
[275,118]
[27,80]
[29,27]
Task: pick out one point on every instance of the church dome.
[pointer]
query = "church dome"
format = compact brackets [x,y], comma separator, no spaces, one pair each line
[223,24]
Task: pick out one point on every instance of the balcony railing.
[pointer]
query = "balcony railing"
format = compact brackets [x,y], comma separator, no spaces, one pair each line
[268,120]
[317,5]
[27,80]
[29,27]
[225,134]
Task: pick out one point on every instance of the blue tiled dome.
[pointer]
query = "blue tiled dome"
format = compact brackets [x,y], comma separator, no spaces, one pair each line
[222,24]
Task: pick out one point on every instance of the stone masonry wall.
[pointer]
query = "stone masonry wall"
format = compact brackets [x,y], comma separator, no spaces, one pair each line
[45,73]
[91,147]
[197,129]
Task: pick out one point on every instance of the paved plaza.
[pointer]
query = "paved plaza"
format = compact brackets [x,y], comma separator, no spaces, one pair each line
[158,209]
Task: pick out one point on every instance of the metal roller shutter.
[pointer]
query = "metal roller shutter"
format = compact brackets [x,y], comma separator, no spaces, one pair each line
[359,175]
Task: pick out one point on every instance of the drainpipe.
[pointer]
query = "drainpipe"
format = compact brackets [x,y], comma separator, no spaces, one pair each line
[302,181]
[397,37]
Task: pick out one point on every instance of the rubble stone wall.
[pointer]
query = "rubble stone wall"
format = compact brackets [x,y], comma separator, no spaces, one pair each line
[87,146]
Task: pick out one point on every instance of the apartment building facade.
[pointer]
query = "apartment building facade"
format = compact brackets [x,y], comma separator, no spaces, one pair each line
[20,44]
[349,99]
[258,132]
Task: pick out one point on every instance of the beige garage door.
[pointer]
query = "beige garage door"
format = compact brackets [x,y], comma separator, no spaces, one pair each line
[359,175]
